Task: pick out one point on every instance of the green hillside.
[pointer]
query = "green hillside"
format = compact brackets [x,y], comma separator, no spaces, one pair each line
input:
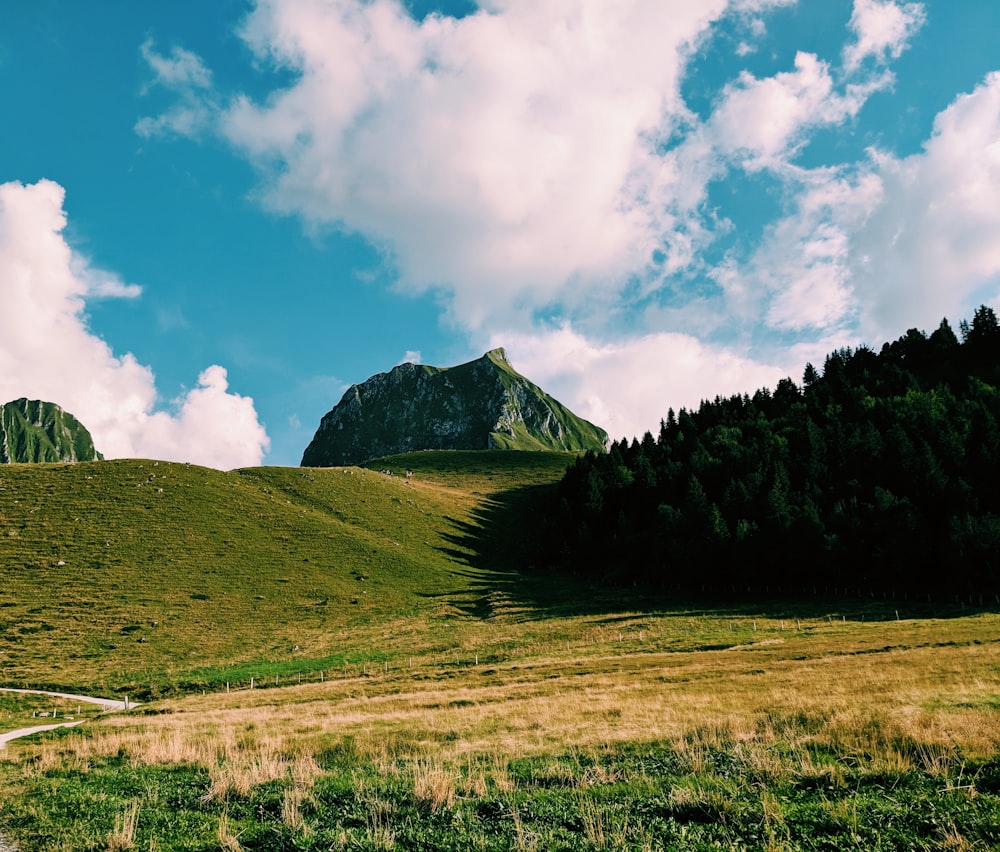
[447,701]
[135,574]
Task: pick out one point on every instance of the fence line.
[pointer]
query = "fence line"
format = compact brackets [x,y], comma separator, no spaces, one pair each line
[641,639]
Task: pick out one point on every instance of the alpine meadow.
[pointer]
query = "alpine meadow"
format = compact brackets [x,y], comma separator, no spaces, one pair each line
[499,426]
[386,656]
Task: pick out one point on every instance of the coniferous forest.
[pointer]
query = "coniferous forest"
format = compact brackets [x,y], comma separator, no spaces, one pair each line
[880,472]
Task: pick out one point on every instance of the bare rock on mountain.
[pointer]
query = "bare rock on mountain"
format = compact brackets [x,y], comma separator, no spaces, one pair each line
[484,404]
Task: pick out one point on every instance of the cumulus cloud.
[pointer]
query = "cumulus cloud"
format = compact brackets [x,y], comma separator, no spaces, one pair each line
[523,160]
[492,156]
[210,425]
[801,273]
[931,245]
[892,242]
[48,352]
[765,121]
[883,29]
[627,387]
[536,160]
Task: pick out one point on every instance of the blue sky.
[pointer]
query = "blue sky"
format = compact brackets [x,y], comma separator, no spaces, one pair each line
[214,217]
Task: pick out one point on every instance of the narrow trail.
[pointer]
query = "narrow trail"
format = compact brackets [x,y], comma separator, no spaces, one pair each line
[106,703]
[27,732]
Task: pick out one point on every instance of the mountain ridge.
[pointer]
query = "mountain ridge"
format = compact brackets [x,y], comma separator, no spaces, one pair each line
[482,404]
[33,431]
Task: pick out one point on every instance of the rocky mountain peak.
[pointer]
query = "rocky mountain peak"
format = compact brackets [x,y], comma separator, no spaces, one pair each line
[484,404]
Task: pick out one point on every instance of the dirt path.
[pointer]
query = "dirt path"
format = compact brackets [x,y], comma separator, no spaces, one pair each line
[106,703]
[27,732]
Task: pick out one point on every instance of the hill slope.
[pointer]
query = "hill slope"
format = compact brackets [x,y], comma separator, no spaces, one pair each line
[127,573]
[484,404]
[36,431]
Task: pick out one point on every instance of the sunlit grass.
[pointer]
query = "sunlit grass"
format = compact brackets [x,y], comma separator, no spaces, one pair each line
[141,575]
[410,690]
[743,738]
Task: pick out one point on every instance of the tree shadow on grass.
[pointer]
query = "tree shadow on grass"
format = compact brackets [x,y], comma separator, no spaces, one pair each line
[501,547]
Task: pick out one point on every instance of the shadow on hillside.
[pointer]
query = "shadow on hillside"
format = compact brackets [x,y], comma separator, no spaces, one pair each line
[501,548]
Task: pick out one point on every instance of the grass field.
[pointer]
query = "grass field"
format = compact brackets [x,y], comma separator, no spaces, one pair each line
[146,577]
[874,735]
[464,705]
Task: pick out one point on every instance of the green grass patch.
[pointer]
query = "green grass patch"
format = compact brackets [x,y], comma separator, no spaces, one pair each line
[633,797]
[140,575]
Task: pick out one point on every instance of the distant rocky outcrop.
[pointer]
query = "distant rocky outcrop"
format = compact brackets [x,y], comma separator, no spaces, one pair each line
[36,431]
[484,404]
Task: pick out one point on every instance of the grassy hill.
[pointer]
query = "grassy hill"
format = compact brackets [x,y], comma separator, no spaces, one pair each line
[140,574]
[446,700]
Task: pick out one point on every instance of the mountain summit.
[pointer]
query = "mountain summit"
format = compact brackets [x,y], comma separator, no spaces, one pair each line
[36,431]
[484,404]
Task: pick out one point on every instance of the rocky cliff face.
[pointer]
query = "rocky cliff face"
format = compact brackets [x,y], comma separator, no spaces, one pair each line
[36,431]
[484,404]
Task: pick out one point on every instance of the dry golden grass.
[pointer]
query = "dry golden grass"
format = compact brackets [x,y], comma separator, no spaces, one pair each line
[228,841]
[433,784]
[826,700]
[122,837]
[820,706]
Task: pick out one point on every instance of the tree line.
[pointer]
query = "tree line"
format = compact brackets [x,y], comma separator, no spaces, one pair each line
[878,472]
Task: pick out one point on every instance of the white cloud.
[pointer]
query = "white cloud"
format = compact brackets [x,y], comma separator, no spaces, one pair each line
[931,246]
[189,120]
[493,156]
[181,69]
[412,356]
[892,243]
[516,161]
[801,273]
[100,283]
[48,352]
[185,75]
[536,159]
[627,387]
[765,120]
[797,278]
[211,426]
[883,29]
[753,7]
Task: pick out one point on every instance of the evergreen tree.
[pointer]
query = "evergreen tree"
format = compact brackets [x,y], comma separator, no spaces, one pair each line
[878,474]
